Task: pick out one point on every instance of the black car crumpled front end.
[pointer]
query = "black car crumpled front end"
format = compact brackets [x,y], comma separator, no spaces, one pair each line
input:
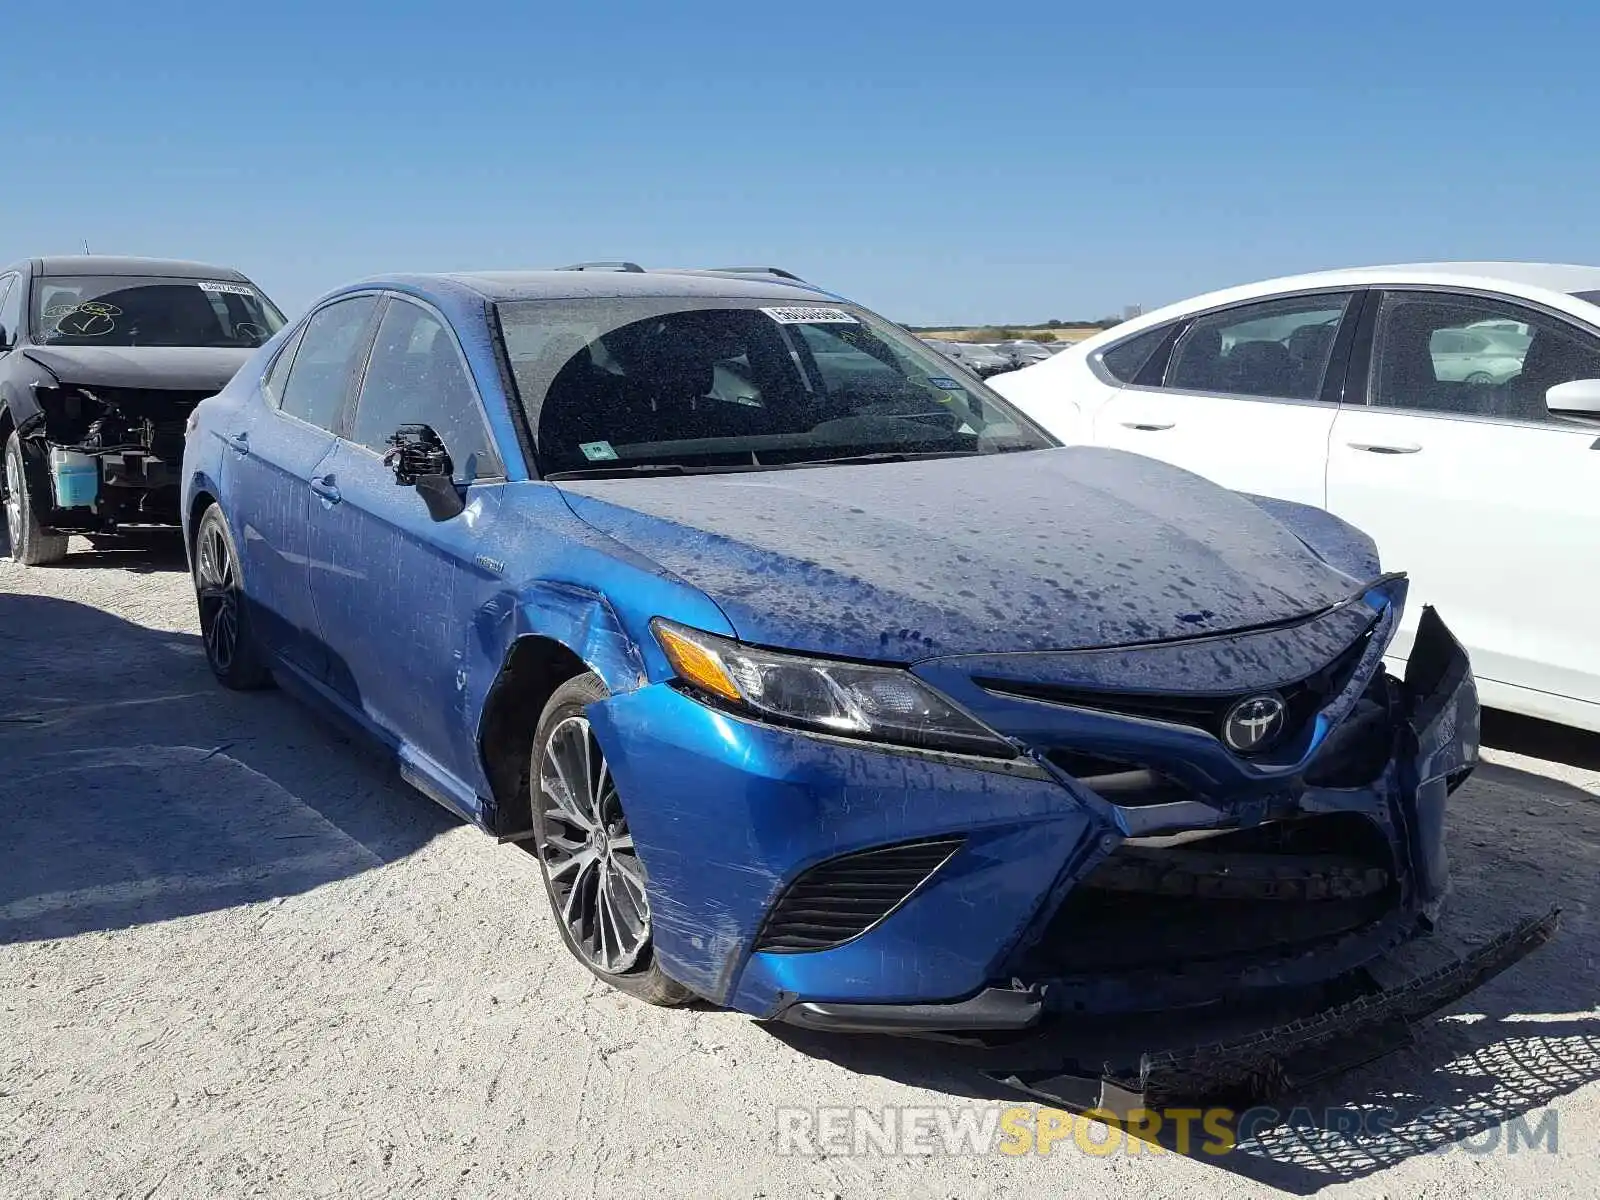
[1263,885]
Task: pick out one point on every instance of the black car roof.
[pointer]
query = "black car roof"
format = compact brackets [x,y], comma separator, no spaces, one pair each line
[105,264]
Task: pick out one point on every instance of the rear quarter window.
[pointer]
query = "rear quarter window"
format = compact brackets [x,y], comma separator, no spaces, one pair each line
[1125,360]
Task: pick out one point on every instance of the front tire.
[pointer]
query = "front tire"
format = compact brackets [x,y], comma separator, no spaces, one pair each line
[592,873]
[30,544]
[231,649]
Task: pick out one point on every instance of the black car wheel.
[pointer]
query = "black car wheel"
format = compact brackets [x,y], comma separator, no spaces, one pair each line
[231,648]
[592,872]
[30,544]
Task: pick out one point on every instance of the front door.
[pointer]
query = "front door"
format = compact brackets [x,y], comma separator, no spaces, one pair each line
[1474,488]
[1247,399]
[274,448]
[396,590]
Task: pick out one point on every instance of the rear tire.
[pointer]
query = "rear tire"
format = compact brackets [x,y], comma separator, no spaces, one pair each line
[591,872]
[30,544]
[232,652]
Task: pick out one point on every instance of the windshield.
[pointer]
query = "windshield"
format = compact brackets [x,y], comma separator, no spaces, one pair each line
[611,384]
[129,310]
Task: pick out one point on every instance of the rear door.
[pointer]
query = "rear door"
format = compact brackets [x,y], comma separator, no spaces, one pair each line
[1245,396]
[1470,485]
[395,590]
[274,448]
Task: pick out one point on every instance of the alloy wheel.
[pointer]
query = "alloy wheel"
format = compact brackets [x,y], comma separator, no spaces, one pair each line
[217,586]
[588,852]
[14,487]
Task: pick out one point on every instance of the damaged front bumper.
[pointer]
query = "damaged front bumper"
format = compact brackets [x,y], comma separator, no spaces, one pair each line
[1278,1058]
[1012,878]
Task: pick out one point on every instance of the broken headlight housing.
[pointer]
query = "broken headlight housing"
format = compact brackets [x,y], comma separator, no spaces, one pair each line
[881,704]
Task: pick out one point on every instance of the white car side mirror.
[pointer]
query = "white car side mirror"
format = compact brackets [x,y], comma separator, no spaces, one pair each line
[1579,398]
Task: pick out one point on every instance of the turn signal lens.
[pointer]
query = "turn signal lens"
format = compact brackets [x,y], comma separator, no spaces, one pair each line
[696,663]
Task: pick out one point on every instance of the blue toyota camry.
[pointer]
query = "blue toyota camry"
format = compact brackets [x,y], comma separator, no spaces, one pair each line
[819,682]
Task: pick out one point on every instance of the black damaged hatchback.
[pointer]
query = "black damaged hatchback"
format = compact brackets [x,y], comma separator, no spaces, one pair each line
[101,362]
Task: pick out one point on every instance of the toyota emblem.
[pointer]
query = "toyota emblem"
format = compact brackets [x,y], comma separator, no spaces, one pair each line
[1254,723]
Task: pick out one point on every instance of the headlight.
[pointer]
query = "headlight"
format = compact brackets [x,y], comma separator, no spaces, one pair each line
[877,703]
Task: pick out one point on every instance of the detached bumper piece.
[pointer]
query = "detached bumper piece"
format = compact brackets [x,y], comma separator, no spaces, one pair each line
[1272,1062]
[991,1010]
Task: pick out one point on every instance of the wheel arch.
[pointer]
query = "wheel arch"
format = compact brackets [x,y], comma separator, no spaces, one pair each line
[557,631]
[204,497]
[535,666]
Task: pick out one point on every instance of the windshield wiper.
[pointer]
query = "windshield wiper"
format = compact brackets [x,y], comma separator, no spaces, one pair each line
[648,469]
[605,472]
[880,456]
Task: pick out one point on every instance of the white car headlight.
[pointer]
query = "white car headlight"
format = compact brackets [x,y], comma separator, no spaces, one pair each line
[883,704]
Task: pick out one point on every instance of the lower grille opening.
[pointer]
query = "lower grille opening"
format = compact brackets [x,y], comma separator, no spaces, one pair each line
[1278,888]
[842,898]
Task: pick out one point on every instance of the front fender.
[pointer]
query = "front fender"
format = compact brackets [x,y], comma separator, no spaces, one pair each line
[23,414]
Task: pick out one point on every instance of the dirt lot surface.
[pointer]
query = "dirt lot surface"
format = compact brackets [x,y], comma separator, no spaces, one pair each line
[239,958]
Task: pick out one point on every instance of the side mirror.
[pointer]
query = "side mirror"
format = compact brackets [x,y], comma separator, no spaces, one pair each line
[1579,398]
[418,458]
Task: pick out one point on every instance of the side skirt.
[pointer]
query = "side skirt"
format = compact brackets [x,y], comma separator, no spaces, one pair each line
[415,767]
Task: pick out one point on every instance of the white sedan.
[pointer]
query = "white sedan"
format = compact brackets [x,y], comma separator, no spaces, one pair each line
[1451,410]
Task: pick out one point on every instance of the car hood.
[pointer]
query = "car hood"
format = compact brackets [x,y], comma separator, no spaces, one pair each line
[1056,549]
[179,368]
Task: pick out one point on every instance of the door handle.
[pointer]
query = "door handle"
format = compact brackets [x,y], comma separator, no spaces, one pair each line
[1385,447]
[325,489]
[238,441]
[1148,426]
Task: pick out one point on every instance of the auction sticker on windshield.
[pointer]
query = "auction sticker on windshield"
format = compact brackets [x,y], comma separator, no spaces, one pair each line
[232,289]
[810,316]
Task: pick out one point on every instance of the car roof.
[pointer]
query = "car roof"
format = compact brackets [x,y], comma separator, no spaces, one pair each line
[105,264]
[506,286]
[1552,277]
[1554,284]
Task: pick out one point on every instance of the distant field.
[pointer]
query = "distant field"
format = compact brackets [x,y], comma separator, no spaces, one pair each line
[1065,333]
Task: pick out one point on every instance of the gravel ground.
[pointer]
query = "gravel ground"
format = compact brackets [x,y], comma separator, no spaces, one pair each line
[238,957]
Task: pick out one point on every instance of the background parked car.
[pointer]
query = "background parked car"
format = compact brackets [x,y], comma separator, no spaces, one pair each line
[1450,410]
[1475,356]
[101,362]
[982,359]
[1023,352]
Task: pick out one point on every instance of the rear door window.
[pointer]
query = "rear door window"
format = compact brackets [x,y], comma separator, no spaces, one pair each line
[332,349]
[416,377]
[1278,349]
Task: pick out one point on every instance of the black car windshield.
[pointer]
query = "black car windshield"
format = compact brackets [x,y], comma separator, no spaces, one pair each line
[132,310]
[722,384]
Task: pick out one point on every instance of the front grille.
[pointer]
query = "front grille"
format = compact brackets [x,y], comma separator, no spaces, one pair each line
[1278,888]
[846,896]
[1199,710]
[1125,785]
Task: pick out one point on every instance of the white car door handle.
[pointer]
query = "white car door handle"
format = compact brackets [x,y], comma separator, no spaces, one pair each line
[1148,426]
[1386,447]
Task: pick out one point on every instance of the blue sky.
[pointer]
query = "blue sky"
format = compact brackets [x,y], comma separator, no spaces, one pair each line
[939,162]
